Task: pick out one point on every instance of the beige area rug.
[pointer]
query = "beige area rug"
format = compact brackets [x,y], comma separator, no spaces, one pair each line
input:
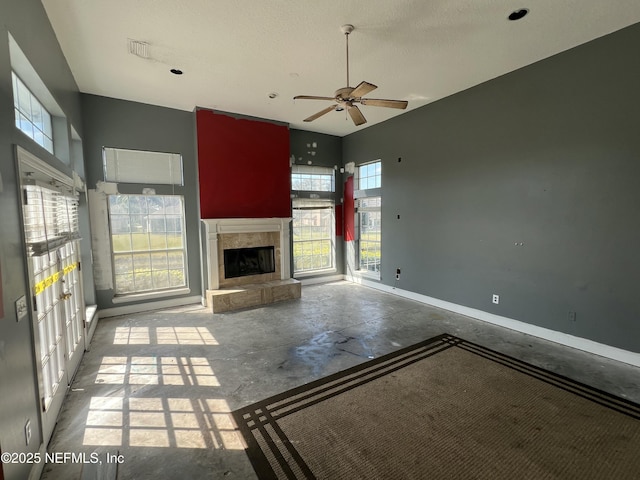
[444,408]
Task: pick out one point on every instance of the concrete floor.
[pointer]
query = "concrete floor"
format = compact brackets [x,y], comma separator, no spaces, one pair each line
[156,387]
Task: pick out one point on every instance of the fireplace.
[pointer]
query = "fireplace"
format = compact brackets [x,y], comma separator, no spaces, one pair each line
[247,262]
[241,262]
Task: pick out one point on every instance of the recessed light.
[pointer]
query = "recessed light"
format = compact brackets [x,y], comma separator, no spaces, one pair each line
[518,14]
[176,71]
[273,95]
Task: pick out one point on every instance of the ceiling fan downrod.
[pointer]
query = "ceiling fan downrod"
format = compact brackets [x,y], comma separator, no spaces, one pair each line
[347,29]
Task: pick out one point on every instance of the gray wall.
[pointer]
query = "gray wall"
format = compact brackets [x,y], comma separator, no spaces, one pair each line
[27,22]
[548,156]
[122,124]
[328,153]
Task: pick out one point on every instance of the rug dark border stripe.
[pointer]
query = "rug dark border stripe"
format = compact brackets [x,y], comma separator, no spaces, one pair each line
[265,413]
[601,397]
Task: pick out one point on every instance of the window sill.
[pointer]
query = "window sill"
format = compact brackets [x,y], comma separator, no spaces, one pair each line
[313,273]
[136,297]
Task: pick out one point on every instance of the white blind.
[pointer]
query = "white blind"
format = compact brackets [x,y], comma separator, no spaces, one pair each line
[311,203]
[41,205]
[368,204]
[50,218]
[67,215]
[312,178]
[312,169]
[138,166]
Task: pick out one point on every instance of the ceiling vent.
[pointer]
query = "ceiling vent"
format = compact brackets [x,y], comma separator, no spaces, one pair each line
[140,49]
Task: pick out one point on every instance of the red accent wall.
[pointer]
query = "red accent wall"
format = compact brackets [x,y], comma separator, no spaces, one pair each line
[339,220]
[349,211]
[243,167]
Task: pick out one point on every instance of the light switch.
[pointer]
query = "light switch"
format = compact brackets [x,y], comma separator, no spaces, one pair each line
[21,308]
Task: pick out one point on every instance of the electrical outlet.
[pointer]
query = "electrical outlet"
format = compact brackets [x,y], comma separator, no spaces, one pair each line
[496,299]
[27,432]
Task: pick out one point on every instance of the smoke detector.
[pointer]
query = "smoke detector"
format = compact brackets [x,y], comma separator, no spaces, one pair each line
[138,48]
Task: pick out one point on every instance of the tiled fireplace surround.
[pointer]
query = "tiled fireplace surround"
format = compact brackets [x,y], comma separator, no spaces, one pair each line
[224,294]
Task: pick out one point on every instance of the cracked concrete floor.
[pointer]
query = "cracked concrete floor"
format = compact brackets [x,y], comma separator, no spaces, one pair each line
[156,387]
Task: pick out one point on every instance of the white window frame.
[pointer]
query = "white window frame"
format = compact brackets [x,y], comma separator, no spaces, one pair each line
[159,288]
[313,191]
[370,175]
[316,242]
[369,190]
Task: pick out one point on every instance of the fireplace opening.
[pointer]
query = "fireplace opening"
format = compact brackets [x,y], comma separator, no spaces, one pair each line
[240,262]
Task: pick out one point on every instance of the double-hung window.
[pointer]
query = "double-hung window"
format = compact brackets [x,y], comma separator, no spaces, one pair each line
[313,218]
[368,208]
[148,241]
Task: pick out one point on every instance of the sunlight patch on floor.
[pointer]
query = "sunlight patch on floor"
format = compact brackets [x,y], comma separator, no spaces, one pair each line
[161,422]
[163,336]
[153,370]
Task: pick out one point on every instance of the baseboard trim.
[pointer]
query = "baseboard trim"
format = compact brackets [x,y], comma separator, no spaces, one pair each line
[148,306]
[324,279]
[579,343]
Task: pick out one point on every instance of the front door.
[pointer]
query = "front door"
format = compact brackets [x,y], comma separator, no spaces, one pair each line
[52,247]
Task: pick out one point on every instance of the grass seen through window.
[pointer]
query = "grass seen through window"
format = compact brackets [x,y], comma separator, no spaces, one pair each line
[147,238]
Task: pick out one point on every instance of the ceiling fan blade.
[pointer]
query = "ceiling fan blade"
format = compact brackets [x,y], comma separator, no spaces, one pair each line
[362,89]
[312,97]
[356,115]
[320,113]
[378,102]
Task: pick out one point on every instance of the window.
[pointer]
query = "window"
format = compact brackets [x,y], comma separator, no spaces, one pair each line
[368,208]
[313,218]
[313,235]
[148,242]
[370,175]
[31,117]
[312,178]
[369,239]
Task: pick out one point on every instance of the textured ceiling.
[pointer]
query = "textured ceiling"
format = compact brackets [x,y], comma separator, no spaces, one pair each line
[234,54]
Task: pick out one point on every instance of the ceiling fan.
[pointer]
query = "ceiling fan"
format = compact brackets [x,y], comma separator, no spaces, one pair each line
[347,97]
